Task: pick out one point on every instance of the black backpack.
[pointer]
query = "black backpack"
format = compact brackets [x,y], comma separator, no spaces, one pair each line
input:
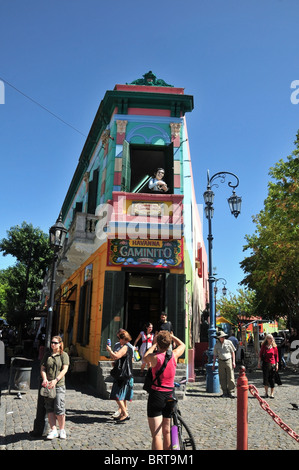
[149,381]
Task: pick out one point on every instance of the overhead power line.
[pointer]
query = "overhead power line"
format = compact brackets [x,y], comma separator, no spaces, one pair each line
[42,106]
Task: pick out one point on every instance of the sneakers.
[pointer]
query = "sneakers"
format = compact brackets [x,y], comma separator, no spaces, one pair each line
[54,433]
[62,434]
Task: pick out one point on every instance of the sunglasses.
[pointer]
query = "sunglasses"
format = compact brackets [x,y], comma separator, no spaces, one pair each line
[54,342]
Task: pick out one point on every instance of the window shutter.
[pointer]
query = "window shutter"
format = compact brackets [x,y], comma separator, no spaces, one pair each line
[81,315]
[169,163]
[175,302]
[87,312]
[113,307]
[84,313]
[126,168]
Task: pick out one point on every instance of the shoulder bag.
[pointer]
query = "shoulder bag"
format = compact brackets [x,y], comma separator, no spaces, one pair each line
[122,370]
[50,392]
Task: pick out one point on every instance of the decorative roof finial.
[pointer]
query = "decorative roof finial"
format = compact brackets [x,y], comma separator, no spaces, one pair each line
[149,79]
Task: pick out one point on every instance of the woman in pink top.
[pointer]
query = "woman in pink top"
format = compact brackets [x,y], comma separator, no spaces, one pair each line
[269,357]
[158,407]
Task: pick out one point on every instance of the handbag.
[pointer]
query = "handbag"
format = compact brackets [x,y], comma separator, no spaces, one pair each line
[277,378]
[48,392]
[136,356]
[122,370]
[149,381]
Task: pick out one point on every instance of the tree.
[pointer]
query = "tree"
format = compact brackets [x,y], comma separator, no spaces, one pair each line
[272,269]
[3,288]
[22,282]
[241,304]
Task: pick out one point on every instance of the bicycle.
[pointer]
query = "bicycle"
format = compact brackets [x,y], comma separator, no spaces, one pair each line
[181,436]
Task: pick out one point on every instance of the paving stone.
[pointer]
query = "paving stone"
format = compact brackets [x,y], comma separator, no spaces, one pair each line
[212,420]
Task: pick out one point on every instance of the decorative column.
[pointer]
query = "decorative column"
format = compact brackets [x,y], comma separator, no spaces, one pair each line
[105,140]
[121,127]
[86,189]
[175,133]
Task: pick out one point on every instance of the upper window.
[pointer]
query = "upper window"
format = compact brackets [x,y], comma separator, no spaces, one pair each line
[140,163]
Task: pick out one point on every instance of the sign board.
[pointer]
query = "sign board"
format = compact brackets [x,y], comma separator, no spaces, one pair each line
[154,209]
[150,253]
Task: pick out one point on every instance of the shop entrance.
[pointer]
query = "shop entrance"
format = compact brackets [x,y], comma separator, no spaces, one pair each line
[144,301]
[131,298]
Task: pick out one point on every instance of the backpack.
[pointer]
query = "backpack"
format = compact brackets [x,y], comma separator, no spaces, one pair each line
[149,381]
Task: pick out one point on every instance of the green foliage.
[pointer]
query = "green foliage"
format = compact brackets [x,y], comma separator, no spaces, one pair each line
[272,268]
[20,284]
[236,305]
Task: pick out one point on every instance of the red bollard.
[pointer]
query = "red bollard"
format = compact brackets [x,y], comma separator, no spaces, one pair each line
[242,410]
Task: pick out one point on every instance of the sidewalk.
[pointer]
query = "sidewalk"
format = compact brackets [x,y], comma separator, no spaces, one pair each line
[212,420]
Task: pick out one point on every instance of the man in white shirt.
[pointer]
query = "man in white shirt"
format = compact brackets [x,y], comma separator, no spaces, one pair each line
[224,351]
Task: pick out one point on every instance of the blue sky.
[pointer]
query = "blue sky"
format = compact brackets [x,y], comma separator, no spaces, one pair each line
[237,58]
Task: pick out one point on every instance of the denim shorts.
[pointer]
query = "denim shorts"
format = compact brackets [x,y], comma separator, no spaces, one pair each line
[56,405]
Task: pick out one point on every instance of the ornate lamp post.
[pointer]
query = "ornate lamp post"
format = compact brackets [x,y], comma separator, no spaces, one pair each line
[57,237]
[57,234]
[212,381]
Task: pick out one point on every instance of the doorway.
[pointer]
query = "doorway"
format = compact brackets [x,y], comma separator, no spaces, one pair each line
[162,291]
[144,301]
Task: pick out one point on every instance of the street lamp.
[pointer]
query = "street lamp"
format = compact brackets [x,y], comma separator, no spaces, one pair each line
[57,234]
[212,381]
[224,289]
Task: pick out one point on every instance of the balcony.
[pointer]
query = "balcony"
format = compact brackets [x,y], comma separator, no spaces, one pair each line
[145,216]
[126,216]
[80,244]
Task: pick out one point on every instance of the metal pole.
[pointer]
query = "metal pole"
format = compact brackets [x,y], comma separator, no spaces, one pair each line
[212,378]
[58,233]
[40,418]
[51,302]
[242,410]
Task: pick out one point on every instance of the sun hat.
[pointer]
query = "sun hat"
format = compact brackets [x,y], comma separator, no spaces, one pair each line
[221,334]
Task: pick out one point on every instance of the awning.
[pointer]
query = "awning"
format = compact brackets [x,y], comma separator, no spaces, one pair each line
[223,320]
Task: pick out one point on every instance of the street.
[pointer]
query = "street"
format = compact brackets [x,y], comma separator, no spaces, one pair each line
[211,418]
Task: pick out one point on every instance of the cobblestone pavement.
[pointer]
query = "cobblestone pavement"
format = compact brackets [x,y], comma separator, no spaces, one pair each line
[212,419]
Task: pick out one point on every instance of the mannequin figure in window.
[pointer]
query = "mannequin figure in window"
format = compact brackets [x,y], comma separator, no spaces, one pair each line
[156,183]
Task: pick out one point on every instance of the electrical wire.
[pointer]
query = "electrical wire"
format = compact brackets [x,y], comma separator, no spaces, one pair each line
[41,106]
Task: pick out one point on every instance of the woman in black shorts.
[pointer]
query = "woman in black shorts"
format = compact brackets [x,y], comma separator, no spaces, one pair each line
[158,408]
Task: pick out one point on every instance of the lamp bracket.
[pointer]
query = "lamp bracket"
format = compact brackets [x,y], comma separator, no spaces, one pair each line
[222,176]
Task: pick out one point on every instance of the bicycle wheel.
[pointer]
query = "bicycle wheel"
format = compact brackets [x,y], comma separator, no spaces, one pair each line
[186,439]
